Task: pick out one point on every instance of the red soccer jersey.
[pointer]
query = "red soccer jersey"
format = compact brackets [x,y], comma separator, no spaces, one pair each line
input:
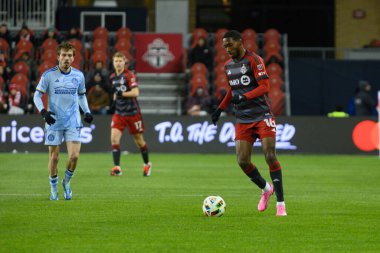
[248,77]
[126,81]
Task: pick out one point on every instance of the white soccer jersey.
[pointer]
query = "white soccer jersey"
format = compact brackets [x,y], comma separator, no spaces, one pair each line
[62,90]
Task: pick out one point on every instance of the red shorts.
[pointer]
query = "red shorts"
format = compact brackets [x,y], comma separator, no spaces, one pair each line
[251,131]
[134,123]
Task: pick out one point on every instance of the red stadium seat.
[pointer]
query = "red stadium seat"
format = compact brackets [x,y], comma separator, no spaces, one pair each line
[219,69]
[78,61]
[123,33]
[100,33]
[123,45]
[44,66]
[221,56]
[24,45]
[276,81]
[22,81]
[77,44]
[49,55]
[4,46]
[219,34]
[274,69]
[272,34]
[49,44]
[99,56]
[199,68]
[21,67]
[197,81]
[272,46]
[221,84]
[249,34]
[277,98]
[100,45]
[1,83]
[20,53]
[250,45]
[198,33]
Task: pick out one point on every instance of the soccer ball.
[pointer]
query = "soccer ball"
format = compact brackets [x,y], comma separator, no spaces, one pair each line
[214,206]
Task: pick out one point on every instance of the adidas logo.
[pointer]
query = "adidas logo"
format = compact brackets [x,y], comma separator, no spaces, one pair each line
[57,81]
[229,72]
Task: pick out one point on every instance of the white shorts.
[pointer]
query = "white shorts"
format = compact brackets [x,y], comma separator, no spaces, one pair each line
[56,137]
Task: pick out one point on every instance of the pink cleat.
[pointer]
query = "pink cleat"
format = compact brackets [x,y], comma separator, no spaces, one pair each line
[281,210]
[263,204]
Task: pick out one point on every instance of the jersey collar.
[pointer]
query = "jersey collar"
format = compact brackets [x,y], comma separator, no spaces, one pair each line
[64,73]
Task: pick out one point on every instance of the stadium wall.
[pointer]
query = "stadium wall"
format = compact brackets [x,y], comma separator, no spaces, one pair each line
[170,134]
[317,86]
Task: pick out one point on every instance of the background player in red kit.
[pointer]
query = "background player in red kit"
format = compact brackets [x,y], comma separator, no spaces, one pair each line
[248,91]
[127,113]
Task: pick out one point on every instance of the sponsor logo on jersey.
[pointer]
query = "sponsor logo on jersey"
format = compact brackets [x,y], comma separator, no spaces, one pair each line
[234,82]
[243,69]
[245,80]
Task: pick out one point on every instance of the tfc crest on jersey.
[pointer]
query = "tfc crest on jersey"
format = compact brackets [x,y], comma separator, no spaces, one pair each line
[126,81]
[243,76]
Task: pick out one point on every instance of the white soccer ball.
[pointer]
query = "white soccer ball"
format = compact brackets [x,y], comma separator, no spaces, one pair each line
[214,206]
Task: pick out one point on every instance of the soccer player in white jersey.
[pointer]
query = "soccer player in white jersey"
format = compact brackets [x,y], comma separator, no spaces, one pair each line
[65,88]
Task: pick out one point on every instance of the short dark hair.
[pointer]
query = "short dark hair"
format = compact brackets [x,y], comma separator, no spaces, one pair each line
[235,35]
[65,46]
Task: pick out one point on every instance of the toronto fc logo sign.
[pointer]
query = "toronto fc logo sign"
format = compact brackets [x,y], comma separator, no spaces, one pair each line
[158,54]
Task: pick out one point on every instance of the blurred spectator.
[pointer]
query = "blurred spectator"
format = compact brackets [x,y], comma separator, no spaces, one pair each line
[6,73]
[3,102]
[199,104]
[5,34]
[201,53]
[98,100]
[25,33]
[98,67]
[74,33]
[16,100]
[365,105]
[52,32]
[98,79]
[3,61]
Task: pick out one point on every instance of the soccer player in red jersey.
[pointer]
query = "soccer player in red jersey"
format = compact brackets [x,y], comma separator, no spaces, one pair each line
[248,91]
[127,113]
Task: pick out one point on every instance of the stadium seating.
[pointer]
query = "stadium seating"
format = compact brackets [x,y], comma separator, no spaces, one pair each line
[100,45]
[219,35]
[24,45]
[199,68]
[274,69]
[22,67]
[100,33]
[123,45]
[198,33]
[4,46]
[123,33]
[277,98]
[49,55]
[45,65]
[272,35]
[197,81]
[275,81]
[249,34]
[22,81]
[49,44]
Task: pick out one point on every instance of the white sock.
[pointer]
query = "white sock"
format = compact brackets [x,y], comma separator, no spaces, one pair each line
[267,187]
[280,203]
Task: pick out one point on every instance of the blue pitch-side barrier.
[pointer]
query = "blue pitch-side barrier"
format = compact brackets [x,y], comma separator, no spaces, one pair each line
[171,134]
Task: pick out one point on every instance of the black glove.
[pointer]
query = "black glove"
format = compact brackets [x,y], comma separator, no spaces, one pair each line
[88,118]
[50,120]
[216,115]
[119,93]
[237,99]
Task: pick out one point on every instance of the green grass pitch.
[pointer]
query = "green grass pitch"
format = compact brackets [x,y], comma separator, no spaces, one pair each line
[333,205]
